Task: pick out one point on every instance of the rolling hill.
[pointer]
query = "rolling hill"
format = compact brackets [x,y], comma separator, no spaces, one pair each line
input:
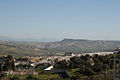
[18,48]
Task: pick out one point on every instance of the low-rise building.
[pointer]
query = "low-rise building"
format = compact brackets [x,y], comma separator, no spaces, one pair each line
[69,54]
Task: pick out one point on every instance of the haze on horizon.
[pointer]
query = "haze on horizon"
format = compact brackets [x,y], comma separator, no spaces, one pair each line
[59,19]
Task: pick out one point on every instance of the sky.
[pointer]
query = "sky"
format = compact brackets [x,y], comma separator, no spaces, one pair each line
[59,19]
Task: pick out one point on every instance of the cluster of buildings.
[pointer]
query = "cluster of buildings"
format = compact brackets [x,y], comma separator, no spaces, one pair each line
[43,62]
[33,61]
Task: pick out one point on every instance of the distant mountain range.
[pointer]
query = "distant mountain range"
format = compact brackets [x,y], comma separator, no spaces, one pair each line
[58,47]
[26,39]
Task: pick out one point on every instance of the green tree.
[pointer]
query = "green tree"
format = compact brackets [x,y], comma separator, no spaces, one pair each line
[9,57]
[105,67]
[1,67]
[30,77]
[61,64]
[97,67]
[88,71]
[15,78]
[76,62]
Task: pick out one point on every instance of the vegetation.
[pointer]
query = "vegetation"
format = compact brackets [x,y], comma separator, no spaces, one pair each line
[7,63]
[88,66]
[19,49]
[35,77]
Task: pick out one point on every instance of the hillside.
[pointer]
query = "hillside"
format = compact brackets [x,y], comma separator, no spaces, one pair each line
[59,47]
[81,45]
[18,49]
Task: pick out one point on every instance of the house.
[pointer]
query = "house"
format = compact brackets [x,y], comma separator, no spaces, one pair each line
[49,68]
[69,54]
[42,66]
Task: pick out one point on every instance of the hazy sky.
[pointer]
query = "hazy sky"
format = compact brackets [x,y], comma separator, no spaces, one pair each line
[58,19]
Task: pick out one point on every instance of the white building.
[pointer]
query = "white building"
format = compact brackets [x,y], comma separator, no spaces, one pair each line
[49,68]
[69,54]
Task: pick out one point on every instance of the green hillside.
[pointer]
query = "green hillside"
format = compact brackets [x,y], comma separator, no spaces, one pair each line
[17,48]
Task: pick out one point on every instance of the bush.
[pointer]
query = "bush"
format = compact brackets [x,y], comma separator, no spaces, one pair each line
[15,78]
[30,77]
[88,71]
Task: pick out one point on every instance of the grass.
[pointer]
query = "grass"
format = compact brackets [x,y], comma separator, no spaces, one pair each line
[73,71]
[50,76]
[47,76]
[43,76]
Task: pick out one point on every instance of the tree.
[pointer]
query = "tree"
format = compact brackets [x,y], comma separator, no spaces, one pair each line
[87,56]
[13,66]
[97,67]
[15,78]
[30,77]
[76,62]
[105,67]
[82,70]
[2,75]
[9,57]
[111,64]
[1,67]
[61,64]
[88,71]
[6,67]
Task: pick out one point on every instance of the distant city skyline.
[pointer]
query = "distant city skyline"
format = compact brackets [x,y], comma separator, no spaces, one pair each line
[59,19]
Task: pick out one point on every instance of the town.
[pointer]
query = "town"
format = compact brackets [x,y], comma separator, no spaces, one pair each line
[29,65]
